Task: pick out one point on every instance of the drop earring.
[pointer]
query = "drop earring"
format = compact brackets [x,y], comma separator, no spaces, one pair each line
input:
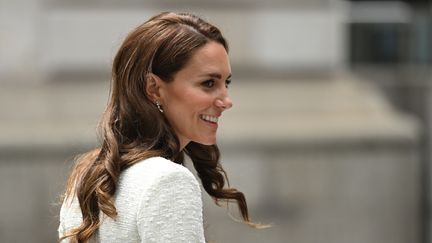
[159,106]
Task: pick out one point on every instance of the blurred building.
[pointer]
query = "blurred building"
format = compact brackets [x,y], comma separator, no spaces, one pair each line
[329,137]
[391,46]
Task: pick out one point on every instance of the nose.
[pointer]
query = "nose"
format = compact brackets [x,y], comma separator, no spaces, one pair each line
[224,102]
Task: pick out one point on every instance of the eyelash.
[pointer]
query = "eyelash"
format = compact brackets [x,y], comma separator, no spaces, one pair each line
[227,83]
[210,83]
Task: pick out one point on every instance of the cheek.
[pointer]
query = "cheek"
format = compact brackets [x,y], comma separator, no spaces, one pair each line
[196,101]
[186,104]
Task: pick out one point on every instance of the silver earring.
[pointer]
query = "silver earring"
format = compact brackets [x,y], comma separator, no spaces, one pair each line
[159,106]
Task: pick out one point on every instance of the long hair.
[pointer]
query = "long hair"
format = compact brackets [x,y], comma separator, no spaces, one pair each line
[132,128]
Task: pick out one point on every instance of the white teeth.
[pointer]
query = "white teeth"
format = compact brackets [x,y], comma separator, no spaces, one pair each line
[209,118]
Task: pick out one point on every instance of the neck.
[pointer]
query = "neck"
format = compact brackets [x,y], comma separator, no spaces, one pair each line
[183,143]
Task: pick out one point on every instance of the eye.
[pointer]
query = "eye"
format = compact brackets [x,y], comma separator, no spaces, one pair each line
[227,83]
[208,83]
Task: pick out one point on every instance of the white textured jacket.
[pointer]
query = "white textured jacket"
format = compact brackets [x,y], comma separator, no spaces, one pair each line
[156,200]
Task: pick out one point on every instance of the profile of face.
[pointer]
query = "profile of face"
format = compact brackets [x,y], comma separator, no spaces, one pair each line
[198,94]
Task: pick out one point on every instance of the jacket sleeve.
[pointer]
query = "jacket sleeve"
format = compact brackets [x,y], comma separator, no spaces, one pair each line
[171,210]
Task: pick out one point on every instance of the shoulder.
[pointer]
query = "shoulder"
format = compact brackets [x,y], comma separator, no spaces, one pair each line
[156,167]
[169,182]
[170,210]
[157,164]
[155,172]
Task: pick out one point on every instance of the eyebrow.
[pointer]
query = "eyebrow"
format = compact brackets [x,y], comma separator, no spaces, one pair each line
[216,75]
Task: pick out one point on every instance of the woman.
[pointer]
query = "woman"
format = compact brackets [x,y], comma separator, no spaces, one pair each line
[169,88]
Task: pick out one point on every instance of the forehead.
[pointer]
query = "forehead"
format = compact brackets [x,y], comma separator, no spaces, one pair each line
[210,58]
[211,50]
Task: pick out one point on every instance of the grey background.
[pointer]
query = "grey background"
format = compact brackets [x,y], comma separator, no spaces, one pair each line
[324,150]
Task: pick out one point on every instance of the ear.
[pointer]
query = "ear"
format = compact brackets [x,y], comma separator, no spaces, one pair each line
[153,87]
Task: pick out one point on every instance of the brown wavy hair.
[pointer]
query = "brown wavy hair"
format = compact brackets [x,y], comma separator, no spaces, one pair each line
[132,129]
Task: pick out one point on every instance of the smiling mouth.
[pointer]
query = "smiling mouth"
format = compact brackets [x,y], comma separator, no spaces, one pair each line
[207,118]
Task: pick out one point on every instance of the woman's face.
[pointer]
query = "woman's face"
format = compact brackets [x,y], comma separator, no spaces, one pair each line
[194,101]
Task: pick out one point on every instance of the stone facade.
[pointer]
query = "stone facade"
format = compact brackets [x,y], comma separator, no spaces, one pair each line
[321,155]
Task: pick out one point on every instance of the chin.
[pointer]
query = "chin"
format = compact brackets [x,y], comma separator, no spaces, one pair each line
[207,142]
